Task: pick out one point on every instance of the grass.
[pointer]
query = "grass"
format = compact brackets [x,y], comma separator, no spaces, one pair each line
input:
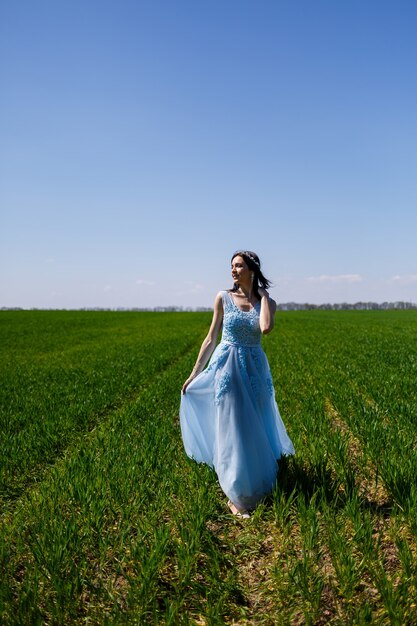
[106,521]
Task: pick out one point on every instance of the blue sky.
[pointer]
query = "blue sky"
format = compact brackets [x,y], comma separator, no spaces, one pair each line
[142,142]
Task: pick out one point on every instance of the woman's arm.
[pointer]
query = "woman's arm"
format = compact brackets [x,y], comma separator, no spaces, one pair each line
[268,308]
[209,343]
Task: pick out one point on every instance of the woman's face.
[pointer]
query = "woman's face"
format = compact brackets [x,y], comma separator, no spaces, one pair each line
[241,274]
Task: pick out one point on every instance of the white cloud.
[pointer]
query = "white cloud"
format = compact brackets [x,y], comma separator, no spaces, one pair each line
[336,278]
[194,286]
[108,288]
[141,281]
[404,279]
[191,288]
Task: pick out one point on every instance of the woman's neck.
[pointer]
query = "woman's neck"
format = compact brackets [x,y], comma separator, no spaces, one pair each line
[247,290]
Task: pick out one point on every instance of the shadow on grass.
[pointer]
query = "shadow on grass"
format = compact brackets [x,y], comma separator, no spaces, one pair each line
[300,479]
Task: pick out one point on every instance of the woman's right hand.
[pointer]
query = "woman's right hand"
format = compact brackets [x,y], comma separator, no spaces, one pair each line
[187,382]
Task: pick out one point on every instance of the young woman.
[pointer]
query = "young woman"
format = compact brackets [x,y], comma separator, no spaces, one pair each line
[229,416]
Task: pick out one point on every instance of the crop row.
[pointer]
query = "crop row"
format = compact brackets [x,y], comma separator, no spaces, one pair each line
[354,482]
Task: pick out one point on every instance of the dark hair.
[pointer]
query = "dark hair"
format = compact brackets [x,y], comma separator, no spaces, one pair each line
[252,261]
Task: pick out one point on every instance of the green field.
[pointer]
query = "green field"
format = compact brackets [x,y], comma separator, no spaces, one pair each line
[106,521]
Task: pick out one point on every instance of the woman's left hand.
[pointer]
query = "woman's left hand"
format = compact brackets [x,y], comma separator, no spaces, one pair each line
[263,292]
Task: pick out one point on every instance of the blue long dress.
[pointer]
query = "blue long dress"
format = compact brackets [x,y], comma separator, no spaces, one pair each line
[229,416]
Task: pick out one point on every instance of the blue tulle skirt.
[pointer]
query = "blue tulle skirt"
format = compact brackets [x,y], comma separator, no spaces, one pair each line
[230,420]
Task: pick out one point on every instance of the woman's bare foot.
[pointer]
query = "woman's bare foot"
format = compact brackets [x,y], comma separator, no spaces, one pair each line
[243,514]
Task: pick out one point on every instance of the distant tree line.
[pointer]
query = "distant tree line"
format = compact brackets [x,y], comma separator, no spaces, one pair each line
[345,306]
[286,306]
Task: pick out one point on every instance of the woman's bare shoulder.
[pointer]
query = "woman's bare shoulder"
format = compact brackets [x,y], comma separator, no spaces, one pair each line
[219,298]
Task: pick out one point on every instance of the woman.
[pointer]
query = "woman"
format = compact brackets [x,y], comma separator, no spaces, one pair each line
[229,416]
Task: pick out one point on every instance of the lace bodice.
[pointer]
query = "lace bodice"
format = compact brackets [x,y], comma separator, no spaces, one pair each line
[240,327]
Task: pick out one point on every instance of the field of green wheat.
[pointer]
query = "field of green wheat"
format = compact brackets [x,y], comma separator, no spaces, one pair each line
[104,520]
